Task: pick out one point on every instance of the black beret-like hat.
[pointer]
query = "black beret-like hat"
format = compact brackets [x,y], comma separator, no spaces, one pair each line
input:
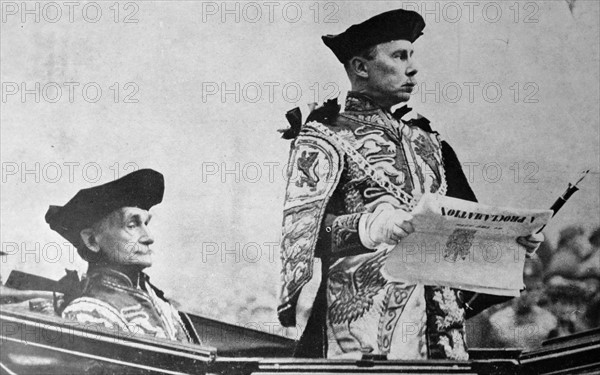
[396,24]
[143,188]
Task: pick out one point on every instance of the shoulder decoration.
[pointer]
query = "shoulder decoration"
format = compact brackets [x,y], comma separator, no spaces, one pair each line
[407,115]
[326,114]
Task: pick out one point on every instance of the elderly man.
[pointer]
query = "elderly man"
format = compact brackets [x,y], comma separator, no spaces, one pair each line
[108,225]
[351,177]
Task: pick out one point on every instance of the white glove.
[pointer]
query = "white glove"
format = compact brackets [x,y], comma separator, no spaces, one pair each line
[384,225]
[531,243]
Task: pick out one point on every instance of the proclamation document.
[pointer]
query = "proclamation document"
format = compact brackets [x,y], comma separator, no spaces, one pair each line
[465,245]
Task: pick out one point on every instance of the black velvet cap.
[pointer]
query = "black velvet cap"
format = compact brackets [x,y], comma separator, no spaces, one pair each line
[396,24]
[143,188]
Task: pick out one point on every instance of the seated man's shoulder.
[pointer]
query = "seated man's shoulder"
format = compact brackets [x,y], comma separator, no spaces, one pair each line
[89,310]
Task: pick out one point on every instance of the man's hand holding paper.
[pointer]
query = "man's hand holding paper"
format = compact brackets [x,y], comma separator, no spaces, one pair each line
[531,243]
[387,224]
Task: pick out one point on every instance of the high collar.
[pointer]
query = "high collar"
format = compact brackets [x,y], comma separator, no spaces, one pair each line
[359,102]
[116,277]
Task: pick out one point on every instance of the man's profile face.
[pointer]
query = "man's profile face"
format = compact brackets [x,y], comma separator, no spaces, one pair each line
[391,73]
[124,239]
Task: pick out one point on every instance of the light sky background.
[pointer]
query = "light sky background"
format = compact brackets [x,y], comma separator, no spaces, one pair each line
[179,53]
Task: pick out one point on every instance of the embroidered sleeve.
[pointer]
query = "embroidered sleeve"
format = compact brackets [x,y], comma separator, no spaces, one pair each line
[314,170]
[339,234]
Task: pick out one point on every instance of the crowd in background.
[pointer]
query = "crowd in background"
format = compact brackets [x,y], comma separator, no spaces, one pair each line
[561,296]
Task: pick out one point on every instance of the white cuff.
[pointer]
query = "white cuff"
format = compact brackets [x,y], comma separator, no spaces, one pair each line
[363,233]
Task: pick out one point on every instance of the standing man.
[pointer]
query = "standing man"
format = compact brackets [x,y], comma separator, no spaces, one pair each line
[351,179]
[108,225]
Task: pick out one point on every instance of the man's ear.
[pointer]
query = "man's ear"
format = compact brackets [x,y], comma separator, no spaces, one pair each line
[358,66]
[89,239]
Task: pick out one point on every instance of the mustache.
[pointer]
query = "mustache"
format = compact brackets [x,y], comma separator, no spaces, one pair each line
[131,247]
